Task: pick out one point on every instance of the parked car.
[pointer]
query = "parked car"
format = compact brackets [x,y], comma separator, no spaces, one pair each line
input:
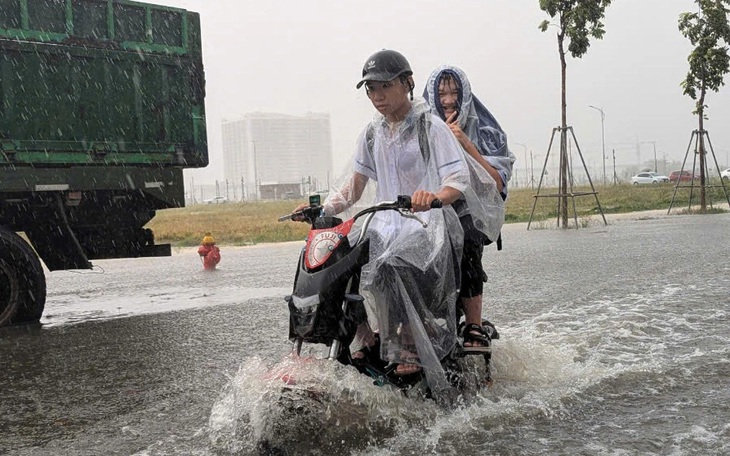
[216,200]
[725,174]
[649,178]
[685,177]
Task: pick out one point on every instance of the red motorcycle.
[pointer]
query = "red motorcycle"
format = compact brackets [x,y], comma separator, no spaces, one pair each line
[326,306]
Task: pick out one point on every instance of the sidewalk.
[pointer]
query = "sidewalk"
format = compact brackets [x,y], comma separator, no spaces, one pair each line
[595,219]
[661,213]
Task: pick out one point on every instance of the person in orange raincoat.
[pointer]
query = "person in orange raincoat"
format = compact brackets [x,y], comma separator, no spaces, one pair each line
[209,252]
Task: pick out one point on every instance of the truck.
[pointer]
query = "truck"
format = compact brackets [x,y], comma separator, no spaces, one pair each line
[101,109]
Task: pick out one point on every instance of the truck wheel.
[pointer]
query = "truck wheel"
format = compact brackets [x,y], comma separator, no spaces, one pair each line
[22,282]
[8,293]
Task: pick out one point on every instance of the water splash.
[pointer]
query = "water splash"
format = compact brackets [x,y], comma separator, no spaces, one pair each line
[303,405]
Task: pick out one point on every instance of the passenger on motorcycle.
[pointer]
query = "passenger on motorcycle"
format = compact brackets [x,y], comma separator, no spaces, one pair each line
[449,94]
[412,279]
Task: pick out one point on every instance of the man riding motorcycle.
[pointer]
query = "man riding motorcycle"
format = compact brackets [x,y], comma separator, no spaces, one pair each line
[412,279]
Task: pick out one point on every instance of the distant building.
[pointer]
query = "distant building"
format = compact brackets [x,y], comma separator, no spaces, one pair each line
[278,156]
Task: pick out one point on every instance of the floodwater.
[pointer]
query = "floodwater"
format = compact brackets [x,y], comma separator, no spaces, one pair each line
[614,341]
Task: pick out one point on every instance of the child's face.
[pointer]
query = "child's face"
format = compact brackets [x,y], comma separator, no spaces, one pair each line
[390,98]
[448,96]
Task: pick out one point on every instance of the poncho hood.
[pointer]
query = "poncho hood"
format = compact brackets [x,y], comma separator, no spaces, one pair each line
[474,119]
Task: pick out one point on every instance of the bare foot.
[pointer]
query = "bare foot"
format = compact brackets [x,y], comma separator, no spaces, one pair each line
[408,366]
[407,369]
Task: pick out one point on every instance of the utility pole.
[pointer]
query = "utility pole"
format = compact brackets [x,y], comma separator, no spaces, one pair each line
[615,177]
[532,173]
[527,177]
[192,190]
[255,172]
[653,143]
[603,140]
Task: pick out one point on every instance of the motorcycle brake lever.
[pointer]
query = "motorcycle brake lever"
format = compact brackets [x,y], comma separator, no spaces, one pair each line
[408,214]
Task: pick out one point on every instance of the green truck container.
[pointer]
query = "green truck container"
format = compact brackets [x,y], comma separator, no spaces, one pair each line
[101,109]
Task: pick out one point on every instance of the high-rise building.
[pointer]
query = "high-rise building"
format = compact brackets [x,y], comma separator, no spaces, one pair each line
[277,155]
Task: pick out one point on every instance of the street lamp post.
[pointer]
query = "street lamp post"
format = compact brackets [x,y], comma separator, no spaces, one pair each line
[603,140]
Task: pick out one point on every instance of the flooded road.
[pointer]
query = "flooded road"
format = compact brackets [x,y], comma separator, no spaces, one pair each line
[615,340]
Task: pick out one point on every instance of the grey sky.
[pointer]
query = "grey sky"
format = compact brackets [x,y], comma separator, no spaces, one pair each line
[296,56]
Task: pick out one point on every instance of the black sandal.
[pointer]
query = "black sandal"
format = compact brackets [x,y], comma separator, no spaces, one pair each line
[476,334]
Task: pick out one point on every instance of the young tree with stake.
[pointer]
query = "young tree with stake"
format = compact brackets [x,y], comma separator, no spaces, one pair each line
[577,21]
[709,32]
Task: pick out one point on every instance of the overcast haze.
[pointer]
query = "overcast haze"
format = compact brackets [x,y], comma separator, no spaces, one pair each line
[293,57]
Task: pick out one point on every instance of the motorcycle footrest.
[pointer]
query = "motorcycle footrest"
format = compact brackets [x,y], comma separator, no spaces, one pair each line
[352,297]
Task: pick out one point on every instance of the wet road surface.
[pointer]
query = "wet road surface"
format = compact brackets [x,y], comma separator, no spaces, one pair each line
[614,339]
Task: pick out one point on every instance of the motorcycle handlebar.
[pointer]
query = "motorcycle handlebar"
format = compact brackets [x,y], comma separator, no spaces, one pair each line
[404,201]
[309,213]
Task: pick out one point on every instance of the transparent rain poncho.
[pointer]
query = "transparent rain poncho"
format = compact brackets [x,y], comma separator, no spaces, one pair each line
[411,282]
[474,119]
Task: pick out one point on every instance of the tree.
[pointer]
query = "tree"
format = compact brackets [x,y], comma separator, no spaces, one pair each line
[709,32]
[577,21]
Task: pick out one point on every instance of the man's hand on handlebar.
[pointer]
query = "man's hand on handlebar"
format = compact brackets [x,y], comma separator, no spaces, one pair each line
[421,200]
[298,215]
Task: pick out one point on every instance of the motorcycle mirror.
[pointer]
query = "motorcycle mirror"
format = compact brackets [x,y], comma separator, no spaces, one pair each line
[314,200]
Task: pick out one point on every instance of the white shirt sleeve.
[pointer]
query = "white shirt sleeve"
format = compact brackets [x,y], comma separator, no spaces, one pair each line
[364,158]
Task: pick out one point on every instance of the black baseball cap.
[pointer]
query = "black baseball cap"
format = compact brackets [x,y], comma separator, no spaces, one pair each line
[384,65]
